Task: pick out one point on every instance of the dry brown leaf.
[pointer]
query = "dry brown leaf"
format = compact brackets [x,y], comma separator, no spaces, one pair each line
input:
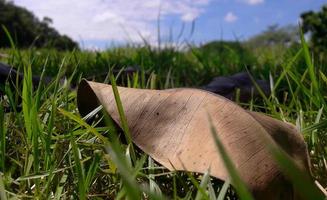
[172,127]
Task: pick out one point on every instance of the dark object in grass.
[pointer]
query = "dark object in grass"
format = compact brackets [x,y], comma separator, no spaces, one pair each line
[120,74]
[129,70]
[8,73]
[15,79]
[227,86]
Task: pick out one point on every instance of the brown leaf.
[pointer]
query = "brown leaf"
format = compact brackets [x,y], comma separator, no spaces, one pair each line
[172,127]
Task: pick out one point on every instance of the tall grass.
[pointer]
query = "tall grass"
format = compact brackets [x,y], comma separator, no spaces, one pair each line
[48,151]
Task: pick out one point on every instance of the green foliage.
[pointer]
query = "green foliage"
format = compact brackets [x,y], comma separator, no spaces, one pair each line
[315,23]
[274,47]
[224,56]
[275,35]
[29,31]
[51,152]
[172,67]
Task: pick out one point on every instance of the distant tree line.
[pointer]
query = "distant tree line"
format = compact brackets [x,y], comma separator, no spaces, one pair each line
[315,23]
[27,30]
[275,35]
[275,41]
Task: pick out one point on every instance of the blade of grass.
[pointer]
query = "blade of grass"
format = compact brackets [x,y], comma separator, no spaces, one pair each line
[136,80]
[132,189]
[204,184]
[262,94]
[309,64]
[52,117]
[211,191]
[79,169]
[3,195]
[154,188]
[92,169]
[287,68]
[223,191]
[320,125]
[31,121]
[60,187]
[81,122]
[122,117]
[237,182]
[27,101]
[2,139]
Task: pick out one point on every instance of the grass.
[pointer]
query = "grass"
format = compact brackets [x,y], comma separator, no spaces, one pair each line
[47,151]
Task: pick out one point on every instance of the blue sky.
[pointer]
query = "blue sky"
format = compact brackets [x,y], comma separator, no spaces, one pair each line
[103,23]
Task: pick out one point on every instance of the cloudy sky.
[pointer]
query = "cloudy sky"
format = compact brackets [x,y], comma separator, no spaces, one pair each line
[102,23]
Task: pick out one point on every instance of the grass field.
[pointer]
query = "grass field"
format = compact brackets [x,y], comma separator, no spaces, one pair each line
[47,151]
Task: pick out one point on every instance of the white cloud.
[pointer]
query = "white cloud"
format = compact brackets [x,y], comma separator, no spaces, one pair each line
[253,2]
[112,20]
[230,17]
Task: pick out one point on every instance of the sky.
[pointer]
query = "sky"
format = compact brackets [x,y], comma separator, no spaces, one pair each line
[98,24]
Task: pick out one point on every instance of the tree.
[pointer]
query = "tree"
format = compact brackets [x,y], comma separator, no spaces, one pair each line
[315,23]
[274,45]
[275,35]
[26,30]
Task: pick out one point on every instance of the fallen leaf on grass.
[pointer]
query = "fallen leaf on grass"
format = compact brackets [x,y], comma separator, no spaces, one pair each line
[172,127]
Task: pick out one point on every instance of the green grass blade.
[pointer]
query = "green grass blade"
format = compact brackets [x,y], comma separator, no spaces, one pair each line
[309,63]
[80,121]
[197,186]
[3,195]
[204,184]
[60,187]
[132,189]
[237,182]
[92,169]
[223,190]
[262,94]
[287,69]
[3,131]
[122,116]
[320,125]
[27,101]
[154,188]
[79,169]
[211,191]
